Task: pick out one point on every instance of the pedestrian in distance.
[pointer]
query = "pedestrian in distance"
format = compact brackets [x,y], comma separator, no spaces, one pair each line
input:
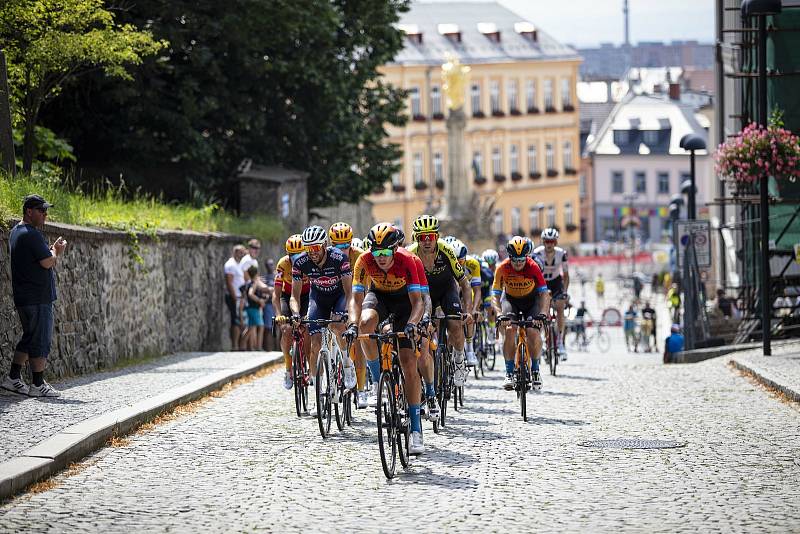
[33,284]
[268,278]
[234,280]
[251,258]
[600,289]
[256,297]
[629,326]
[673,344]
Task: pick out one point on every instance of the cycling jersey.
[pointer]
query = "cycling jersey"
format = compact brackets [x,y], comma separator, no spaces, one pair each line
[487,278]
[445,266]
[402,276]
[517,284]
[283,277]
[326,278]
[354,253]
[423,280]
[473,268]
[554,268]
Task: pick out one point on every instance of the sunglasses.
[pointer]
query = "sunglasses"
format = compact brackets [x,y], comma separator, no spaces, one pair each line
[518,259]
[426,238]
[315,248]
[383,253]
[342,245]
[253,247]
[550,241]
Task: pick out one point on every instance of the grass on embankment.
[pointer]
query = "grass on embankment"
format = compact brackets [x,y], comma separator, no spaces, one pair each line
[114,209]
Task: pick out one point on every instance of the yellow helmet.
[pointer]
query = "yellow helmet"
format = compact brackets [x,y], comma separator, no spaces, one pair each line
[426,224]
[340,232]
[518,247]
[294,245]
[383,235]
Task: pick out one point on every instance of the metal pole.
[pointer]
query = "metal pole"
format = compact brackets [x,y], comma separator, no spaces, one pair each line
[766,304]
[432,179]
[6,137]
[720,118]
[693,191]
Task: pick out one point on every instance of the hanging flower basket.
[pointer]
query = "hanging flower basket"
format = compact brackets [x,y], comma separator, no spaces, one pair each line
[758,152]
[439,184]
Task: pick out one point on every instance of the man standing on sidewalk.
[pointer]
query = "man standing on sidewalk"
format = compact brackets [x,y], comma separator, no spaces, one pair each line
[34,287]
[234,280]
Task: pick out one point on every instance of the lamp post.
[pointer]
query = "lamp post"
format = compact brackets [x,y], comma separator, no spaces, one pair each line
[692,143]
[761,9]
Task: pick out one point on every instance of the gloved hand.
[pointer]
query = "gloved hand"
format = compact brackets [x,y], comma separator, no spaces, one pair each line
[351,333]
[410,330]
[425,322]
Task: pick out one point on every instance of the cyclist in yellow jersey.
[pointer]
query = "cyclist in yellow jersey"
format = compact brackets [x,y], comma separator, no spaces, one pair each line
[341,237]
[473,269]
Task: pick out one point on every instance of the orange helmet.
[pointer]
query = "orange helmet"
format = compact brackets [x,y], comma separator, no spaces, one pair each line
[384,235]
[518,247]
[340,232]
[294,245]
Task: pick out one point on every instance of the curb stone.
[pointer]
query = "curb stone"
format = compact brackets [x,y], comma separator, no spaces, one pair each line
[79,440]
[764,377]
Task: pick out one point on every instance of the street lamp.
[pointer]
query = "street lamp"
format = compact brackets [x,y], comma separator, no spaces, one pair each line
[692,143]
[760,9]
[674,214]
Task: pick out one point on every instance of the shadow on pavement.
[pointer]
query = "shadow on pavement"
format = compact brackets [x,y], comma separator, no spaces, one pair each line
[576,377]
[559,393]
[548,421]
[418,474]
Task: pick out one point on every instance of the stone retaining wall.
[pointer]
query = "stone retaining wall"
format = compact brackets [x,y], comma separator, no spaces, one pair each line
[111,308]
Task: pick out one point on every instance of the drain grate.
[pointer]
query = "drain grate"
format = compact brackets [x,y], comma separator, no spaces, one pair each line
[633,443]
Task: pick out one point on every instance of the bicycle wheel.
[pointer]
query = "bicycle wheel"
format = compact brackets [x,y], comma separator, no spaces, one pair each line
[324,390]
[491,355]
[551,349]
[403,420]
[386,413]
[299,375]
[338,396]
[603,341]
[522,383]
[441,380]
[349,400]
[461,396]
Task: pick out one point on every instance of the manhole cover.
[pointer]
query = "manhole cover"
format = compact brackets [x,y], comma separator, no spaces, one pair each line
[633,443]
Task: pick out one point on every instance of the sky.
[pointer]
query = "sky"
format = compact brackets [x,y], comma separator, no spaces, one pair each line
[586,23]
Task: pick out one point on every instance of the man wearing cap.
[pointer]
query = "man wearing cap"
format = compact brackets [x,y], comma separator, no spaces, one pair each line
[34,288]
[673,344]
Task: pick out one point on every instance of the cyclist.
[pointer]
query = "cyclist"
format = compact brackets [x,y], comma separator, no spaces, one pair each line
[490,258]
[649,326]
[328,269]
[281,297]
[472,267]
[386,281]
[525,292]
[444,275]
[581,316]
[341,237]
[556,273]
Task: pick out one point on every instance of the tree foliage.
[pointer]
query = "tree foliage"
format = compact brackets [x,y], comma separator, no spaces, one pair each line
[49,42]
[290,82]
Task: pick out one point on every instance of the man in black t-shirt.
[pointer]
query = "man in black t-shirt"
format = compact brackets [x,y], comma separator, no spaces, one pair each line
[34,287]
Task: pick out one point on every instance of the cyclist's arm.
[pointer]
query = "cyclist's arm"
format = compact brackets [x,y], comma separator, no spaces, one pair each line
[360,284]
[497,292]
[417,306]
[347,287]
[466,290]
[541,288]
[476,299]
[565,278]
[294,300]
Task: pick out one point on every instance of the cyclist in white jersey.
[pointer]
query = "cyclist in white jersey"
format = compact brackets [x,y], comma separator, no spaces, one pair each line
[555,268]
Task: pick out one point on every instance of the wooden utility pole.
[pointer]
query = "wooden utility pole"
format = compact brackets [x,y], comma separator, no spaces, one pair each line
[7,157]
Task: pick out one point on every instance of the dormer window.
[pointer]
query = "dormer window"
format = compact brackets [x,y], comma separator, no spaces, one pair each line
[651,137]
[526,30]
[621,137]
[490,31]
[450,31]
[412,31]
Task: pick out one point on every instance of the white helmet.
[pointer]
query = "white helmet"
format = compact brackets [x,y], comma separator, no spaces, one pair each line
[357,242]
[549,234]
[449,239]
[490,256]
[460,248]
[314,235]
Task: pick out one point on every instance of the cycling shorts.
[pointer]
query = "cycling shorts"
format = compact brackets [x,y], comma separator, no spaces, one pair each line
[556,287]
[385,304]
[286,311]
[487,302]
[322,305]
[448,298]
[528,306]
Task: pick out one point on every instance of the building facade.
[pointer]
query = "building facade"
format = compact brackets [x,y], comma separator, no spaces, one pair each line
[522,120]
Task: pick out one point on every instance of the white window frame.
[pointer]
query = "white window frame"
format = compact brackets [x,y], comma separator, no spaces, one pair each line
[475,97]
[438,166]
[516,222]
[477,161]
[549,156]
[436,100]
[533,218]
[621,175]
[512,96]
[551,215]
[566,92]
[569,216]
[497,161]
[636,182]
[494,95]
[513,157]
[416,104]
[530,94]
[567,155]
[497,222]
[660,175]
[418,168]
[533,158]
[549,102]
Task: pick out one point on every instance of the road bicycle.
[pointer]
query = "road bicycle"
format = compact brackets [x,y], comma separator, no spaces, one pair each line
[443,368]
[522,376]
[331,393]
[551,354]
[587,333]
[484,349]
[300,374]
[425,337]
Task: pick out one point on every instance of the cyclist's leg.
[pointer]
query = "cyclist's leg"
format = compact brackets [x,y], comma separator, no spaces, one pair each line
[451,305]
[510,342]
[338,310]
[286,333]
[408,362]
[319,307]
[372,311]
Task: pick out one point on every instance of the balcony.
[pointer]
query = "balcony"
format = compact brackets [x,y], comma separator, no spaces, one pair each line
[479,180]
[516,177]
[419,118]
[552,173]
[515,112]
[570,171]
[533,110]
[439,183]
[569,108]
[535,175]
[499,178]
[398,188]
[478,115]
[550,109]
[498,113]
[419,185]
[438,116]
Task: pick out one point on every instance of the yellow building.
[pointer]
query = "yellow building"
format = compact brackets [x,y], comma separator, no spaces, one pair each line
[522,128]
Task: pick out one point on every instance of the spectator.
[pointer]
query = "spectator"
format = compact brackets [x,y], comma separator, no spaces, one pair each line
[629,326]
[268,278]
[725,305]
[234,280]
[674,301]
[637,287]
[600,289]
[33,284]
[255,298]
[251,258]
[673,344]
[649,326]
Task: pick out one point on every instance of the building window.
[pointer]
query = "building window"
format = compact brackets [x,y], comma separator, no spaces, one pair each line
[568,155]
[476,98]
[533,165]
[438,166]
[530,94]
[617,185]
[417,167]
[497,163]
[684,176]
[549,157]
[494,95]
[477,163]
[533,218]
[621,137]
[551,216]
[436,100]
[566,92]
[415,104]
[515,220]
[396,178]
[514,158]
[640,181]
[548,95]
[663,183]
[609,228]
[651,137]
[512,96]
[568,215]
[582,186]
[498,221]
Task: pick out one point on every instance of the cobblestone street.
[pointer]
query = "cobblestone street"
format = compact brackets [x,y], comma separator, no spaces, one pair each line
[244,462]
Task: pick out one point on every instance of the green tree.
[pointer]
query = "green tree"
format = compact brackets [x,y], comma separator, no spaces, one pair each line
[49,42]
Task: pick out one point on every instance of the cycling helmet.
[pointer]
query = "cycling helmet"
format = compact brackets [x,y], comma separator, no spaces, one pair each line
[340,232]
[401,236]
[490,256]
[357,242]
[383,235]
[426,224]
[518,247]
[314,235]
[549,234]
[530,244]
[294,245]
[460,248]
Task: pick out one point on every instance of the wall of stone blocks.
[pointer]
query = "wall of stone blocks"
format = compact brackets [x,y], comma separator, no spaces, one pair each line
[111,308]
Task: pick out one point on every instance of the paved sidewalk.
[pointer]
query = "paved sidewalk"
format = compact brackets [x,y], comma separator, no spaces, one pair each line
[93,406]
[780,372]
